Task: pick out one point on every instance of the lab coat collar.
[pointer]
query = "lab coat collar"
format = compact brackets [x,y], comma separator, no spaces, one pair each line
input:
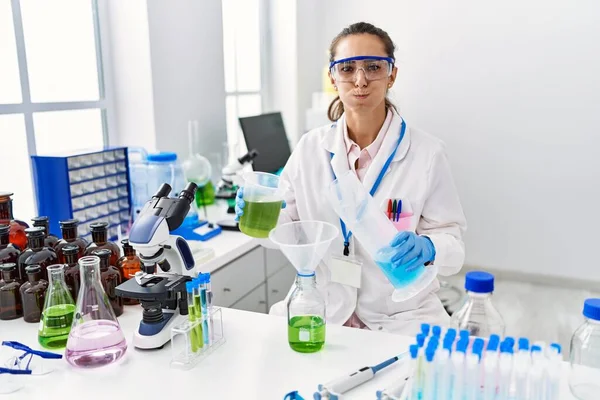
[333,142]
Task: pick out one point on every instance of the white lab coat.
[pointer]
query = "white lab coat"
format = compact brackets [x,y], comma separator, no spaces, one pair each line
[419,173]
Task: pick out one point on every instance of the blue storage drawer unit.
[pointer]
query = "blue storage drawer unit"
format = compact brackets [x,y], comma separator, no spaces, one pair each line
[90,186]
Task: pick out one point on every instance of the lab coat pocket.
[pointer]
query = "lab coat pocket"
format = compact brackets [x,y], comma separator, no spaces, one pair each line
[401,220]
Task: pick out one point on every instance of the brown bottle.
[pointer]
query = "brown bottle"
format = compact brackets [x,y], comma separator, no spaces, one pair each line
[110,278]
[72,276]
[69,236]
[33,294]
[10,297]
[100,241]
[128,265]
[50,239]
[17,234]
[9,253]
[36,253]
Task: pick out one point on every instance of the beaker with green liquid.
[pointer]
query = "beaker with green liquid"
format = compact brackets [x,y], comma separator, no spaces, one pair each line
[304,243]
[57,317]
[263,197]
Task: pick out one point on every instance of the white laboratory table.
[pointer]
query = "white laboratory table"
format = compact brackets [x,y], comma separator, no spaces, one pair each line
[255,362]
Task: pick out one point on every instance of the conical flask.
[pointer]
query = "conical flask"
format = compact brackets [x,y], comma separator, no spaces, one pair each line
[57,317]
[96,338]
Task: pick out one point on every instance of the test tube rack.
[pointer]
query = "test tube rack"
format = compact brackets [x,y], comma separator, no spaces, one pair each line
[90,186]
[185,352]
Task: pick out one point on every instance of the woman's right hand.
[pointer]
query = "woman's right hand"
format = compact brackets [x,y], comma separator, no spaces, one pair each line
[239,203]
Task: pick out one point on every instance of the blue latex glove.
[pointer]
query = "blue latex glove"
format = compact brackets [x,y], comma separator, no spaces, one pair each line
[412,250]
[240,203]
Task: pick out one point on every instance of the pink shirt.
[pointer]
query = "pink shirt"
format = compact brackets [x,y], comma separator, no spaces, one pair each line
[364,157]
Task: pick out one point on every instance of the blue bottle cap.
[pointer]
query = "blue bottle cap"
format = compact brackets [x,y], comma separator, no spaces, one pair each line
[461,346]
[591,309]
[414,350]
[420,340]
[436,330]
[450,332]
[448,345]
[464,334]
[494,340]
[478,345]
[425,329]
[164,156]
[429,355]
[207,275]
[524,344]
[536,349]
[479,282]
[189,286]
[557,347]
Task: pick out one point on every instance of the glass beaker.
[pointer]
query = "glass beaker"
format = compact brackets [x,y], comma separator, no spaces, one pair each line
[263,195]
[56,319]
[96,338]
[355,206]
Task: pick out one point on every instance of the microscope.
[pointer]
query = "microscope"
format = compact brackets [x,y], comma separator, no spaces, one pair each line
[167,264]
[227,187]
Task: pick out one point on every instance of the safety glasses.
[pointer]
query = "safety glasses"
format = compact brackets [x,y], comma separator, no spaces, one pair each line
[374,68]
[18,359]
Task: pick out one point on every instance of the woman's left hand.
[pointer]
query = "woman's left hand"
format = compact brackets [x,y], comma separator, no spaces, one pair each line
[412,250]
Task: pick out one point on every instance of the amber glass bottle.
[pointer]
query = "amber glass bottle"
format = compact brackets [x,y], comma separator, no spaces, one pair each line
[50,240]
[9,253]
[10,297]
[128,265]
[32,294]
[17,234]
[36,253]
[72,276]
[69,236]
[100,241]
[110,278]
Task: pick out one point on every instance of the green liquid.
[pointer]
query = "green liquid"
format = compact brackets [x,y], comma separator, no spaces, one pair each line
[306,334]
[260,218]
[55,325]
[205,195]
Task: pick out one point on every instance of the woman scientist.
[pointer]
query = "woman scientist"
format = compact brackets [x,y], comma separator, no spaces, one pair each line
[367,131]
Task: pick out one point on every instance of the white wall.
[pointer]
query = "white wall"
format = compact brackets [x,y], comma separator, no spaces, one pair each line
[167,67]
[513,88]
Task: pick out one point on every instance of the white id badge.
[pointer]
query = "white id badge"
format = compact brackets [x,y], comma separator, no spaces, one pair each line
[345,270]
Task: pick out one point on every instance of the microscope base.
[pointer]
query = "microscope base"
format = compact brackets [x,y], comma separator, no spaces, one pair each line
[155,336]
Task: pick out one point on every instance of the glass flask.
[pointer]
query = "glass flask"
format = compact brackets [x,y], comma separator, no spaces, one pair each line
[33,294]
[100,241]
[9,253]
[17,234]
[10,297]
[306,316]
[96,338]
[478,315]
[128,265]
[59,307]
[50,239]
[110,278]
[584,378]
[72,278]
[36,253]
[69,236]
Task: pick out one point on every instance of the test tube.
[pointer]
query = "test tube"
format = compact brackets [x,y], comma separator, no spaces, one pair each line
[553,375]
[209,300]
[536,372]
[522,361]
[198,310]
[204,305]
[414,384]
[429,375]
[425,329]
[505,365]
[418,377]
[189,287]
[443,367]
[436,331]
[458,369]
[490,367]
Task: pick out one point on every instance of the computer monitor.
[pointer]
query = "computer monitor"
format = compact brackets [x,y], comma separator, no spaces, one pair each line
[266,134]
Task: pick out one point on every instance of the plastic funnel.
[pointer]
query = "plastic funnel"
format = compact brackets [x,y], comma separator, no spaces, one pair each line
[375,231]
[304,243]
[263,195]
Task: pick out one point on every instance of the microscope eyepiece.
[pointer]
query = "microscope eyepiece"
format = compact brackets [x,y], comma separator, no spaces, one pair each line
[163,191]
[189,192]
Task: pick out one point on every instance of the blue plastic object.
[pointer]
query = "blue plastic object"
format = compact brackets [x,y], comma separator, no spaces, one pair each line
[420,340]
[479,282]
[425,329]
[464,334]
[591,309]
[82,184]
[536,349]
[164,156]
[524,344]
[493,343]
[414,350]
[557,347]
[436,331]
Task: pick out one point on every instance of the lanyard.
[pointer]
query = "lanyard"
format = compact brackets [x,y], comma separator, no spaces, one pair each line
[348,234]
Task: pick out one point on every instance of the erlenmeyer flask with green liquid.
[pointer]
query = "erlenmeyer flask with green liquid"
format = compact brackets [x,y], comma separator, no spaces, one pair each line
[57,317]
[305,243]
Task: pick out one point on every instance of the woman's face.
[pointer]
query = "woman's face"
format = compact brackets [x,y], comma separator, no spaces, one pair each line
[361,94]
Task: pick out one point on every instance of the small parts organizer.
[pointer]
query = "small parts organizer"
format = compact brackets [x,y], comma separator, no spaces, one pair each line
[90,186]
[192,341]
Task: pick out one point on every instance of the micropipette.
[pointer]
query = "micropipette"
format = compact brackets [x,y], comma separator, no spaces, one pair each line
[394,391]
[332,390]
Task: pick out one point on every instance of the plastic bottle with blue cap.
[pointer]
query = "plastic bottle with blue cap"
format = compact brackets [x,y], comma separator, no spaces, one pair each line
[478,315]
[584,377]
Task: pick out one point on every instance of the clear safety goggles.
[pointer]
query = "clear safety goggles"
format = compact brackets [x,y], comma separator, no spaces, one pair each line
[374,68]
[17,360]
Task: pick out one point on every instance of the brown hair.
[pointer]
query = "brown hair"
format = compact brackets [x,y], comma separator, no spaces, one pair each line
[336,108]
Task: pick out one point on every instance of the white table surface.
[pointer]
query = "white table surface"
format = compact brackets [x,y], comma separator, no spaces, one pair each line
[255,362]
